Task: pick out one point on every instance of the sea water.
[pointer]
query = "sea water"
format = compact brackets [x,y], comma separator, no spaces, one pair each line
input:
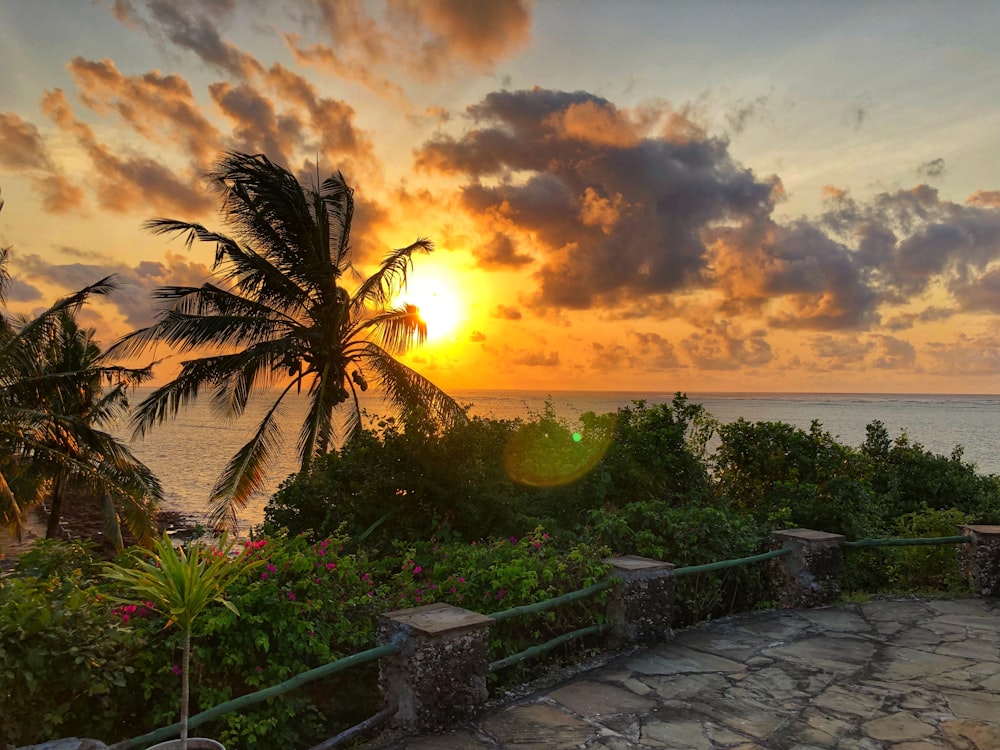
[189,451]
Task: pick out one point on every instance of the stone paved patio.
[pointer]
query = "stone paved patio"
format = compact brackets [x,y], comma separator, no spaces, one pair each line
[908,675]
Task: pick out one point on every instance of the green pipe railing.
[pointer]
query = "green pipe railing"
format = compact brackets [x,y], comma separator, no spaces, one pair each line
[372,654]
[709,567]
[534,651]
[251,699]
[892,542]
[526,609]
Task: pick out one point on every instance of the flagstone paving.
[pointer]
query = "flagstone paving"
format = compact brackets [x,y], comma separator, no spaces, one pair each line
[907,675]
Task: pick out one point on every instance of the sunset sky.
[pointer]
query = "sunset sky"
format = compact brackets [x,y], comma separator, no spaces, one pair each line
[696,196]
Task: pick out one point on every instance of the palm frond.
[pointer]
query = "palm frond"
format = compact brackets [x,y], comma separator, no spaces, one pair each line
[246,471]
[397,329]
[407,390]
[379,288]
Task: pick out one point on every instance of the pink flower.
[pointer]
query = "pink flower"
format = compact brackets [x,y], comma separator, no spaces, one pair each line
[461,580]
[124,618]
[500,593]
[263,576]
[331,566]
[513,540]
[175,669]
[418,569]
[271,568]
[260,669]
[537,545]
[291,596]
[453,589]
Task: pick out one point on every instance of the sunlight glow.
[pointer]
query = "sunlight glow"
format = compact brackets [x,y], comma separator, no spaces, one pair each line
[439,303]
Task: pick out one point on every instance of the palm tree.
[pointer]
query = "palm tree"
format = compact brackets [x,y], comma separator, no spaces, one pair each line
[52,402]
[280,317]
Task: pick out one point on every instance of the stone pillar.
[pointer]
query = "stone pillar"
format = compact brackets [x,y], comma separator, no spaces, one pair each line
[980,558]
[809,575]
[640,606]
[438,676]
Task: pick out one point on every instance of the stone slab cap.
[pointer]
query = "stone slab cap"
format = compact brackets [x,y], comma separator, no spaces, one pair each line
[434,619]
[634,562]
[808,535]
[984,530]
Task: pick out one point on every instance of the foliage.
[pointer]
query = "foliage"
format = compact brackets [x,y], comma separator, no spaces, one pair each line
[181,585]
[279,316]
[64,662]
[56,393]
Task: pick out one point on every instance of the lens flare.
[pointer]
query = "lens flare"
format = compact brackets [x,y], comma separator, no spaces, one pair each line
[548,455]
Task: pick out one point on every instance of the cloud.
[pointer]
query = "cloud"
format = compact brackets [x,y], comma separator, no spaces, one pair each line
[645,352]
[535,358]
[741,115]
[905,321]
[616,201]
[477,337]
[421,39]
[21,145]
[981,294]
[160,108]
[500,251]
[932,169]
[124,183]
[507,313]
[724,346]
[190,26]
[257,127]
[857,353]
[22,149]
[966,355]
[134,299]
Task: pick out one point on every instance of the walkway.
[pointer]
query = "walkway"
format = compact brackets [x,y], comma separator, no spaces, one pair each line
[907,675]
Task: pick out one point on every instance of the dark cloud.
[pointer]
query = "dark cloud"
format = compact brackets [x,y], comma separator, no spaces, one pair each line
[893,353]
[257,127]
[21,291]
[616,201]
[982,294]
[191,26]
[932,169]
[905,321]
[862,352]
[500,251]
[507,313]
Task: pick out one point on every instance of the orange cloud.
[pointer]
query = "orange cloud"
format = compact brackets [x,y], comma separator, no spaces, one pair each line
[22,149]
[161,108]
[124,183]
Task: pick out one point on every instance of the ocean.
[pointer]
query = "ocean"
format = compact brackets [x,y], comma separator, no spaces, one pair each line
[188,452]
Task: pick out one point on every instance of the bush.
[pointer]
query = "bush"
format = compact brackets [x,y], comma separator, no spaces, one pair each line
[64,662]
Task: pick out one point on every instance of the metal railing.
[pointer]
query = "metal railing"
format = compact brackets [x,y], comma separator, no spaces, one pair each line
[373,654]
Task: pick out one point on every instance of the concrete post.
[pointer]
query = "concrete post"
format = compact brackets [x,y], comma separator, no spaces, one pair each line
[640,606]
[980,558]
[438,676]
[809,575]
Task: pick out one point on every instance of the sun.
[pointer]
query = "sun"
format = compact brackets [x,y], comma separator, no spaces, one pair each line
[439,303]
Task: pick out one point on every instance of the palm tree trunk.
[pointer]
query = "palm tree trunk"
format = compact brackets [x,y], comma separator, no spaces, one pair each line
[185,688]
[55,509]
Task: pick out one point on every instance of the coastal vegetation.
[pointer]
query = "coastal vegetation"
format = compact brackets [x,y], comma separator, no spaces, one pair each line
[406,516]
[58,395]
[279,314]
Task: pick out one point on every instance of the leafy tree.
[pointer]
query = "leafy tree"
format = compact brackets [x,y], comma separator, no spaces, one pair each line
[53,401]
[282,317]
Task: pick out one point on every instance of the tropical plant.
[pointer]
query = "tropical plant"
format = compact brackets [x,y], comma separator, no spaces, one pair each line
[181,584]
[281,316]
[56,391]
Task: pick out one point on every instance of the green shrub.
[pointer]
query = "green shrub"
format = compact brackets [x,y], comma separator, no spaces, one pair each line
[64,662]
